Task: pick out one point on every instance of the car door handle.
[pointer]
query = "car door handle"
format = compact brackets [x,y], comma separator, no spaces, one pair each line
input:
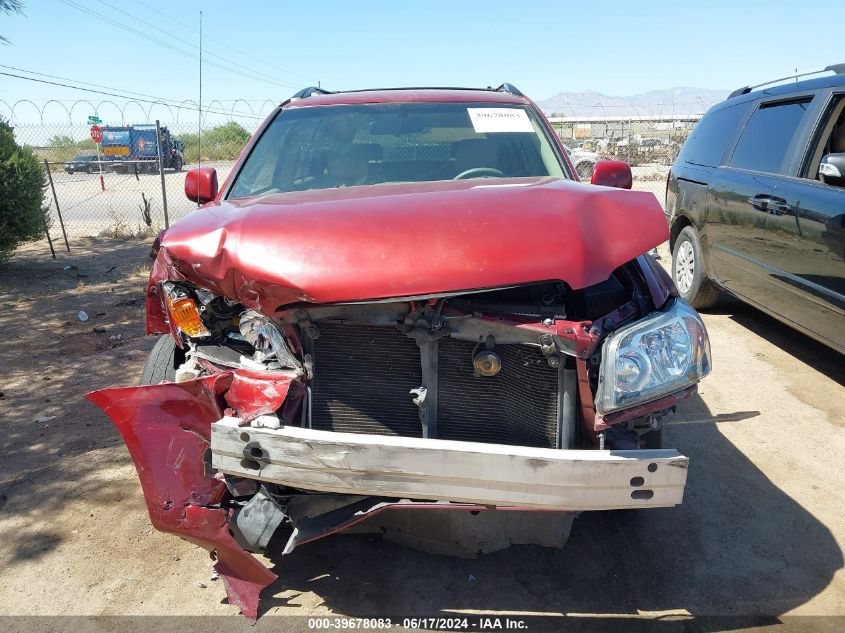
[770,204]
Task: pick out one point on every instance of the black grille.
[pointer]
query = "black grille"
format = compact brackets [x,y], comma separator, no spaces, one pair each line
[516,406]
[364,375]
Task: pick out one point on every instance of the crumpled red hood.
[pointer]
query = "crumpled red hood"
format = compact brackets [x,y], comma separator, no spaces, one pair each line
[405,240]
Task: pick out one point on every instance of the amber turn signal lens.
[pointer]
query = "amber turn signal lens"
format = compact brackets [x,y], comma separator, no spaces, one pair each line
[186,317]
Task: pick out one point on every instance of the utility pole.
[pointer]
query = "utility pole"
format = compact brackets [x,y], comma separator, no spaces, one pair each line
[199,107]
[161,172]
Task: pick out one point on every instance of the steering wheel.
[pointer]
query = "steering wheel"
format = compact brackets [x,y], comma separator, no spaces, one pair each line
[479,171]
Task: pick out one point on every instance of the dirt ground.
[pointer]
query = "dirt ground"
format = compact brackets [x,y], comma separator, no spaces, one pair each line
[760,532]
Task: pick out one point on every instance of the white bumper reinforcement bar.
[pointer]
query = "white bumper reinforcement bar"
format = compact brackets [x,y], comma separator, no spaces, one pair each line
[446,470]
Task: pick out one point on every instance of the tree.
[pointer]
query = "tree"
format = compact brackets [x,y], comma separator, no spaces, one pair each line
[223,142]
[23,217]
[60,140]
[10,6]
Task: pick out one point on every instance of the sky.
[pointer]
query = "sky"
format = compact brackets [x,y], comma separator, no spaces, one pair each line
[267,50]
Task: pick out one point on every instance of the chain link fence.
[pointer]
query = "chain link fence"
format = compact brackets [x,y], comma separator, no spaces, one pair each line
[100,191]
[119,191]
[649,144]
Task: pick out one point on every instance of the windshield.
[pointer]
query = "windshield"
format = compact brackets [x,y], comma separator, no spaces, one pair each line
[325,147]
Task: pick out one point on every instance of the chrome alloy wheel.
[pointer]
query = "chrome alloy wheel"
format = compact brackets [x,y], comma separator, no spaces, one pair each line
[685,267]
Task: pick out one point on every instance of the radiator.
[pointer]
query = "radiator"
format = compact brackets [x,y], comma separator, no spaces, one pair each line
[364,375]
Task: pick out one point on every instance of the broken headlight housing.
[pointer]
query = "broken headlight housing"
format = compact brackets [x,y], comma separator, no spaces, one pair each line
[265,337]
[661,354]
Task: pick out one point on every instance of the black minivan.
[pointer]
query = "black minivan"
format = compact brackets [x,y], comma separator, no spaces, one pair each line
[756,204]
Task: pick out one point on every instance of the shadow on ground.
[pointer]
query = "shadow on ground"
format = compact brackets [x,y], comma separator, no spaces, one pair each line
[795,343]
[51,358]
[738,546]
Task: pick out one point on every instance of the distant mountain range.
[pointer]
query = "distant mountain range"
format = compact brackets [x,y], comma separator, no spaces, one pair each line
[681,100]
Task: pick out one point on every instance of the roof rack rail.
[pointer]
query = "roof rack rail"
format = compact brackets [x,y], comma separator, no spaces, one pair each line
[311,90]
[510,88]
[837,69]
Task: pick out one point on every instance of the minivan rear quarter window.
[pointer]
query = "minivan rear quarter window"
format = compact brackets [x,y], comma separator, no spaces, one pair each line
[768,134]
[711,136]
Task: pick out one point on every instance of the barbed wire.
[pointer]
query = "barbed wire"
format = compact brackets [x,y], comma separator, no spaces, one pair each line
[174,109]
[218,107]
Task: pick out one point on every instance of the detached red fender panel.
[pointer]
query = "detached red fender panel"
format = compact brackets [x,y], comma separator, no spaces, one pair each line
[167,428]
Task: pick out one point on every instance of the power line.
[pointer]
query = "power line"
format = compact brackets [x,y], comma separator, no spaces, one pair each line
[226,45]
[173,35]
[130,95]
[272,101]
[167,45]
[120,96]
[170,46]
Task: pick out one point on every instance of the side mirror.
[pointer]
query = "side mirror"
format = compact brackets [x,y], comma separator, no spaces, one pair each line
[201,184]
[612,173]
[832,169]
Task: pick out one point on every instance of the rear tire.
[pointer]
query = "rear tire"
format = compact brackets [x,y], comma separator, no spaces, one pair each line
[688,271]
[162,362]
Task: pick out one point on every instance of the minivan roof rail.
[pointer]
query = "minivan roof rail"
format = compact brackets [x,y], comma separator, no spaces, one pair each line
[837,69]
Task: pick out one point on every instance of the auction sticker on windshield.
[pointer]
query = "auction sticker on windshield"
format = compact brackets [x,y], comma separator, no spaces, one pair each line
[499,120]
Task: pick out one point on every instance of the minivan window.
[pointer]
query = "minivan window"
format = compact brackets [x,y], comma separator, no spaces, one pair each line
[710,137]
[768,134]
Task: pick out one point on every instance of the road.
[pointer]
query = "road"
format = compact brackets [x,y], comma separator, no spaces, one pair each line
[761,530]
[88,209]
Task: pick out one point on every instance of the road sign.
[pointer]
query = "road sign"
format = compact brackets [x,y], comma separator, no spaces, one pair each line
[94,120]
[96,134]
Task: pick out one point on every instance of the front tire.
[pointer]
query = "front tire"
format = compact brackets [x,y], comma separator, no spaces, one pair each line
[653,439]
[688,271]
[162,362]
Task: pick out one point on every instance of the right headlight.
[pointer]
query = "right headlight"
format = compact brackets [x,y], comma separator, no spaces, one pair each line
[661,354]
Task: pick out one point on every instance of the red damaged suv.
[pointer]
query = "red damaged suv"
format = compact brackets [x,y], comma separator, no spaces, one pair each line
[402,312]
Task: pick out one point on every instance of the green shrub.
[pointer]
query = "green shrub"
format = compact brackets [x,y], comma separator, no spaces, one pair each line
[223,142]
[63,149]
[23,217]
